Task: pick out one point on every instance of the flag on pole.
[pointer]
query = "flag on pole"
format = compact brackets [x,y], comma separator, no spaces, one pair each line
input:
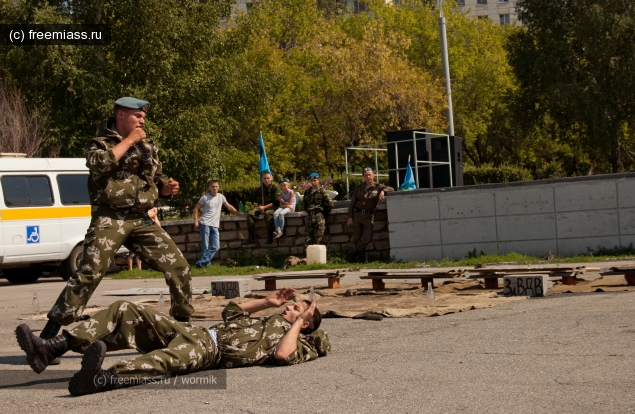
[409,181]
[263,165]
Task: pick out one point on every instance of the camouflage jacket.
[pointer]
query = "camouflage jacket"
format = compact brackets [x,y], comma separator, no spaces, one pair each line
[133,182]
[272,195]
[246,341]
[366,198]
[317,200]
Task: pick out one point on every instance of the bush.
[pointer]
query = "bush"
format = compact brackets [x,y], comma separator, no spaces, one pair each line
[490,174]
[551,170]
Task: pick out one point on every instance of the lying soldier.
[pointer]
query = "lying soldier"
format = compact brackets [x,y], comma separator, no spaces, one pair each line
[172,347]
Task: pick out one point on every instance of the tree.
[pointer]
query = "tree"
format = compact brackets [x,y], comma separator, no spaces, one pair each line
[22,130]
[575,62]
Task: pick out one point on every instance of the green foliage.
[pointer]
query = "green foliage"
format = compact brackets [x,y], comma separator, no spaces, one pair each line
[574,63]
[474,255]
[489,174]
[615,251]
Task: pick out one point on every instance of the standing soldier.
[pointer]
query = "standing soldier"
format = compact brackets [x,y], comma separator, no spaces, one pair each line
[124,183]
[316,204]
[360,212]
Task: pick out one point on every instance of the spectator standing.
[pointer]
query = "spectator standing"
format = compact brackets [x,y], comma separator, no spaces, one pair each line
[360,212]
[317,204]
[211,204]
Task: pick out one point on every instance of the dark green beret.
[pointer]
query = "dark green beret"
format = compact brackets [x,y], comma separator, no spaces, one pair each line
[133,103]
[283,180]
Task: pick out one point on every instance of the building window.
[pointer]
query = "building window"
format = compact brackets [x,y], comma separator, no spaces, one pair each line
[503,1]
[359,6]
[481,1]
[461,2]
[27,191]
[504,19]
[482,17]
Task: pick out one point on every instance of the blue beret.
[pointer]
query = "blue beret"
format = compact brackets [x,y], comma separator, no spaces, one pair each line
[314,174]
[133,103]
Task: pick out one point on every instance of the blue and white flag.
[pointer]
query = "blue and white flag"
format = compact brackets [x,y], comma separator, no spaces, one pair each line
[409,181]
[263,165]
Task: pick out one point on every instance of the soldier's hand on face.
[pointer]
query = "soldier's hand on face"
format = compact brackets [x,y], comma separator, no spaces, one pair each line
[137,135]
[308,312]
[171,188]
[381,196]
[349,222]
[280,297]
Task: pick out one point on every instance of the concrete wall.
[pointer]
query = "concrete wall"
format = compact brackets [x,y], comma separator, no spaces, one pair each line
[562,217]
[233,230]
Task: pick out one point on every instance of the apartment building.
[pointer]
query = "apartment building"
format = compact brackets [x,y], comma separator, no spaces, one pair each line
[500,11]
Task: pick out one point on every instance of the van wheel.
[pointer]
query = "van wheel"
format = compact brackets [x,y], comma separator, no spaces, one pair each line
[71,264]
[23,276]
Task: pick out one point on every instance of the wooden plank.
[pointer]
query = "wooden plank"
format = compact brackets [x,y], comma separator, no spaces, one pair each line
[523,269]
[408,276]
[328,276]
[501,274]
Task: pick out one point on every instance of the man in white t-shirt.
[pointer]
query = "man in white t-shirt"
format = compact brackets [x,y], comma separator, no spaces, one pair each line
[212,204]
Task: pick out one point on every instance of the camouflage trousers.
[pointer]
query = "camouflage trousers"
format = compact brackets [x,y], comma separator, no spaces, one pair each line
[315,225]
[252,217]
[108,230]
[362,231]
[169,347]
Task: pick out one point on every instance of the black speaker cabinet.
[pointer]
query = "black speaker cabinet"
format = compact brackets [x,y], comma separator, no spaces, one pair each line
[433,149]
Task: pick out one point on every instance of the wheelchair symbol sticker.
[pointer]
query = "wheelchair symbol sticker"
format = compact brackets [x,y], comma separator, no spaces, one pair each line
[32,234]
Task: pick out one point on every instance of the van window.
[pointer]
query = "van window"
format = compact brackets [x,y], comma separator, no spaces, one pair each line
[73,189]
[25,191]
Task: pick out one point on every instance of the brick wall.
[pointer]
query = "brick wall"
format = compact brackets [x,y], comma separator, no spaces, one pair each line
[233,230]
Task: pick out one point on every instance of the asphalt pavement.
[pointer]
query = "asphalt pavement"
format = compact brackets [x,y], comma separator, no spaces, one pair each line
[567,353]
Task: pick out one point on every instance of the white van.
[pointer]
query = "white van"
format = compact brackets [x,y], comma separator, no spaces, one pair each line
[44,215]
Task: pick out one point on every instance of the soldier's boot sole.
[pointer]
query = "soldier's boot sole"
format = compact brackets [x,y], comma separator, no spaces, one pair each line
[84,382]
[33,347]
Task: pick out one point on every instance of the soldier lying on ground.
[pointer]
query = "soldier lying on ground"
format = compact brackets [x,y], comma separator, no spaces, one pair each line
[172,347]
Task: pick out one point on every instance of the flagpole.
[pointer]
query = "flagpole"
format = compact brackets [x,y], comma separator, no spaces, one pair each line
[262,187]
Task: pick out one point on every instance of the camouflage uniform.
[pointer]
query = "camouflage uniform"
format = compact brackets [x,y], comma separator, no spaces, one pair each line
[172,347]
[316,204]
[361,208]
[272,195]
[120,193]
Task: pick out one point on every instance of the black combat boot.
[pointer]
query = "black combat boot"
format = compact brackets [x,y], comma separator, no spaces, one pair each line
[40,352]
[269,237]
[91,378]
[50,331]
[251,238]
